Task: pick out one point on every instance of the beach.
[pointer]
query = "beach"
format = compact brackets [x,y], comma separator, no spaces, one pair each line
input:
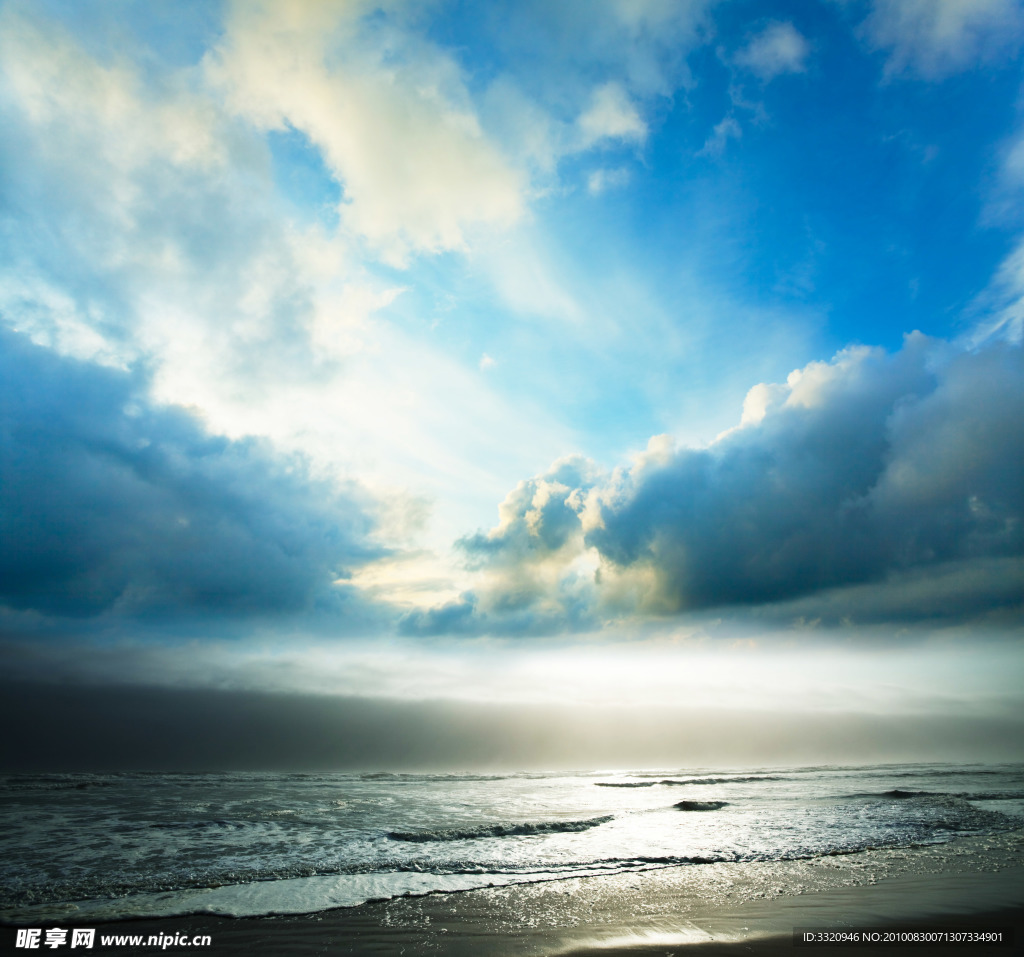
[717,909]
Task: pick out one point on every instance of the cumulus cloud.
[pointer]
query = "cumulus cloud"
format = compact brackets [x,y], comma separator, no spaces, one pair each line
[539,517]
[779,48]
[861,466]
[855,471]
[113,507]
[536,579]
[935,38]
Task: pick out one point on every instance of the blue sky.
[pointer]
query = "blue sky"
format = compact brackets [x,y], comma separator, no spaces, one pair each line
[397,348]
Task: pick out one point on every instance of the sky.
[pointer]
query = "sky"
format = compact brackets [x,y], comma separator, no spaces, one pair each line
[621,364]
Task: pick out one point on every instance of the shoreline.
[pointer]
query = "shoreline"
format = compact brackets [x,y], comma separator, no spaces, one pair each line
[715,910]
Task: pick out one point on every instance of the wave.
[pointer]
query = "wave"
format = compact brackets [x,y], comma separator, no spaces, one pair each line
[525,829]
[128,898]
[197,825]
[626,784]
[900,794]
[993,796]
[676,782]
[56,783]
[746,779]
[443,777]
[700,805]
[953,772]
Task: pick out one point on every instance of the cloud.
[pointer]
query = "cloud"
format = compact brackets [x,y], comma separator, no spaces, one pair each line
[143,221]
[935,38]
[539,517]
[860,467]
[715,144]
[118,728]
[535,580]
[778,49]
[390,115]
[648,40]
[611,115]
[1013,163]
[113,507]
[578,77]
[1004,302]
[960,596]
[604,179]
[525,273]
[854,472]
[553,49]
[123,246]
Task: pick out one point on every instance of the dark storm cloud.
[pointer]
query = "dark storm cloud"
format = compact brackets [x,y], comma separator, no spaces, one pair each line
[110,506]
[870,469]
[985,592]
[861,469]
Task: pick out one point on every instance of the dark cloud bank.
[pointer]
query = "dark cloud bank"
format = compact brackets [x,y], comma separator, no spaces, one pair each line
[897,472]
[111,508]
[120,728]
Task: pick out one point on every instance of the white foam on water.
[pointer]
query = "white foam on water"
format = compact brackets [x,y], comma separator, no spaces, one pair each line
[132,845]
[304,895]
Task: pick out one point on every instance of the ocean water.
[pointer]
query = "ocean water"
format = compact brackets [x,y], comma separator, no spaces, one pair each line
[110,846]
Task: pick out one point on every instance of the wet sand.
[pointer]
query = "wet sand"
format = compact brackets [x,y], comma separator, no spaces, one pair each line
[698,911]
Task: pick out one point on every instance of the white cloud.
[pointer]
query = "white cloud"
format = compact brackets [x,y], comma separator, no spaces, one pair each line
[1005,191]
[521,271]
[605,179]
[1013,165]
[63,90]
[715,144]
[611,115]
[778,49]
[390,116]
[163,240]
[527,131]
[546,107]
[1002,303]
[937,37]
[646,41]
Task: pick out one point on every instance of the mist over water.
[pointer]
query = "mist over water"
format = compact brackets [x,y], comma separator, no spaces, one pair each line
[114,728]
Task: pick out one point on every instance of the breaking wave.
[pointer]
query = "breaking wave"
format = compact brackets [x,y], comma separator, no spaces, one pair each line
[671,782]
[499,830]
[900,794]
[626,784]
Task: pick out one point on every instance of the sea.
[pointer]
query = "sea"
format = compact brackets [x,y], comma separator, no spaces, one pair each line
[106,847]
